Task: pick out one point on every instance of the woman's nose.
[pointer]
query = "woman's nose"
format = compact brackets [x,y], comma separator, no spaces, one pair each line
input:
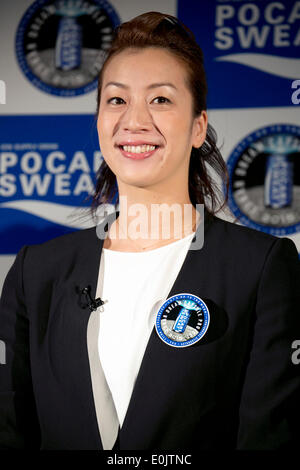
[137,117]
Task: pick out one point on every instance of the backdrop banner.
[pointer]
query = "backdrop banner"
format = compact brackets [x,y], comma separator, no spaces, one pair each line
[45,183]
[251,49]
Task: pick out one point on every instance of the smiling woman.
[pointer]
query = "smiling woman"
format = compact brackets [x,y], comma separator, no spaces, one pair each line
[191,346]
[146,128]
[153,130]
[155,69]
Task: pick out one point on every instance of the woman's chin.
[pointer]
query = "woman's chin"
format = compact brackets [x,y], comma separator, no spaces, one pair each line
[133,180]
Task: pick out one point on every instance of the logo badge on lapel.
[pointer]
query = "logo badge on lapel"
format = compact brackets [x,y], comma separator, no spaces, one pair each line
[182,320]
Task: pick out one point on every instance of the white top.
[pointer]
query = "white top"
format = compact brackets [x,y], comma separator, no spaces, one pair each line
[135,284]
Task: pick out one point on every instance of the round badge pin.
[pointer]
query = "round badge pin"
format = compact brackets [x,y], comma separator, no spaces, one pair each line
[182,320]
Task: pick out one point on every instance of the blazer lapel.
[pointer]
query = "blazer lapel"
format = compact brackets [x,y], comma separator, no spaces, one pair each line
[71,340]
[79,349]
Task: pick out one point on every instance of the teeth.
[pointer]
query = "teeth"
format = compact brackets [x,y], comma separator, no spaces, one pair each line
[138,148]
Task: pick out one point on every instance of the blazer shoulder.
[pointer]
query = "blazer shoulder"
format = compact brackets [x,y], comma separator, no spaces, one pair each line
[61,248]
[237,230]
[236,238]
[67,240]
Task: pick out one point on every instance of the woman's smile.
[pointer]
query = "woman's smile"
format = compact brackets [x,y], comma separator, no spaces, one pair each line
[138,151]
[137,148]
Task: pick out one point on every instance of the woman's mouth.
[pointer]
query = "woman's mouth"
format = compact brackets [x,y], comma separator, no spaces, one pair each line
[138,152]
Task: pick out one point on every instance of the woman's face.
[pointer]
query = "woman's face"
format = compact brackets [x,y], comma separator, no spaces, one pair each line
[145,124]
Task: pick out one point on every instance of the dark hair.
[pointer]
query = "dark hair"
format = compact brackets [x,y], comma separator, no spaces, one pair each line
[154,29]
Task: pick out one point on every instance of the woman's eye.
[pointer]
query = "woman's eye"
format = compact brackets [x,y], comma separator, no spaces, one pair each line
[161,99]
[116,100]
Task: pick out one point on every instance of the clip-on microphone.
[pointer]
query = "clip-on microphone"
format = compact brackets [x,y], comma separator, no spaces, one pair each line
[93,304]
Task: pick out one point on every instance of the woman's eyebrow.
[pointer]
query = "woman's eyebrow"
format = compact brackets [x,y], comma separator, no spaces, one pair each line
[157,85]
[153,85]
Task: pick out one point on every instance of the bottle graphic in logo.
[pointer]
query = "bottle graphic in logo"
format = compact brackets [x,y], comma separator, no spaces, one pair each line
[278,189]
[183,316]
[278,181]
[182,320]
[69,36]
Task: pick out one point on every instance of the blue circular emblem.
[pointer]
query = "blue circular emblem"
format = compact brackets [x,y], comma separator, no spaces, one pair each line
[182,320]
[61,44]
[264,171]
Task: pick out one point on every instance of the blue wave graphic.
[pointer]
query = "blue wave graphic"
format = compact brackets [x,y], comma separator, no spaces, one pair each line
[284,67]
[68,216]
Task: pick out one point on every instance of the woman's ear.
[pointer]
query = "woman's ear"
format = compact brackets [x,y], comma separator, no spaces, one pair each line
[199,129]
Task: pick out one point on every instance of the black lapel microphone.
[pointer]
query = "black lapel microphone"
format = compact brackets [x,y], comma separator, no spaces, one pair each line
[93,304]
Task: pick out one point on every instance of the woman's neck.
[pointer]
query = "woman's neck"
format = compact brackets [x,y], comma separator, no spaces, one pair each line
[144,225]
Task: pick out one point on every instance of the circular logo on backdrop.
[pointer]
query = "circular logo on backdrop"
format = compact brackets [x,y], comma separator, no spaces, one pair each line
[264,171]
[61,45]
[182,320]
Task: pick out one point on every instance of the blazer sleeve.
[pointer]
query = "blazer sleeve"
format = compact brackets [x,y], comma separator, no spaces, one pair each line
[19,426]
[269,413]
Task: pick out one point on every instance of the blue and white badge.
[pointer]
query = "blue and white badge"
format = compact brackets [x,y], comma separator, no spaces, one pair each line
[182,320]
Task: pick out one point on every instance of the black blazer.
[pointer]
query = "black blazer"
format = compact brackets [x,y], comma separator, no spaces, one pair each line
[236,388]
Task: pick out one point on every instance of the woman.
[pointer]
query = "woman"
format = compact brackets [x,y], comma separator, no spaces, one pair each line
[189,348]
